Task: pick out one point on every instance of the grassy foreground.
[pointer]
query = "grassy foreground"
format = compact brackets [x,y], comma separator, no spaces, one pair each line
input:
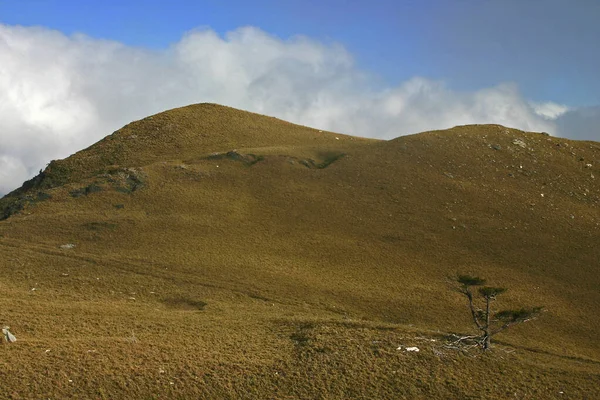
[223,254]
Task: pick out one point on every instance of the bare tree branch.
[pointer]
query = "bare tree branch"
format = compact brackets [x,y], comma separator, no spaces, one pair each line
[484,319]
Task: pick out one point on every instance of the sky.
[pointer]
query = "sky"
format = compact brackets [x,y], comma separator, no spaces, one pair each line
[74,71]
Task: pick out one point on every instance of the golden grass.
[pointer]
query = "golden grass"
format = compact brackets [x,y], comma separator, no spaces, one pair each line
[311,277]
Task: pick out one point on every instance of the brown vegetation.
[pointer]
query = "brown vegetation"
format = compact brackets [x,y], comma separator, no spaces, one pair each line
[223,254]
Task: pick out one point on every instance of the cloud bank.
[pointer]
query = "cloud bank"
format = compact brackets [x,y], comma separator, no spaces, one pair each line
[60,93]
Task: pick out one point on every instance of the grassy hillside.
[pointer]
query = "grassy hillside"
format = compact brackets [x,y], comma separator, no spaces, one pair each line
[224,254]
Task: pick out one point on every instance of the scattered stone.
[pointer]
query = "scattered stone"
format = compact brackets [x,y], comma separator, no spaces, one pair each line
[85,191]
[41,196]
[307,163]
[10,338]
[519,142]
[92,189]
[409,349]
[234,155]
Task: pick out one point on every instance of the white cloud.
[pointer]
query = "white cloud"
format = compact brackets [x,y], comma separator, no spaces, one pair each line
[60,93]
[12,172]
[549,110]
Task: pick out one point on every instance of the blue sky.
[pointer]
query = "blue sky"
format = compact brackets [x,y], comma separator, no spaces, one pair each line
[381,37]
[551,48]
[73,71]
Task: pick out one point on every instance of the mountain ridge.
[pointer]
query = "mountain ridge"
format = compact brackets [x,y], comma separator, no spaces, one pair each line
[310,254]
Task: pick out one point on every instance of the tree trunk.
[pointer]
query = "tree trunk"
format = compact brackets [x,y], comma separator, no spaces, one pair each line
[486,331]
[486,340]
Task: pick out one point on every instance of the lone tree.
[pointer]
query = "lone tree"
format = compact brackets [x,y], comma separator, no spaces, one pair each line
[488,322]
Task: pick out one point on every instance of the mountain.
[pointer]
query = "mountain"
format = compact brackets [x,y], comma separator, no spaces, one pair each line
[209,252]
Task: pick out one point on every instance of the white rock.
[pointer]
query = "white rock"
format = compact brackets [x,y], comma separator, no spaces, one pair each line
[520,143]
[415,349]
[10,338]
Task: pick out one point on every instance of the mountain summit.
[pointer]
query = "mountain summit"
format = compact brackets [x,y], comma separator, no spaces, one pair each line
[245,256]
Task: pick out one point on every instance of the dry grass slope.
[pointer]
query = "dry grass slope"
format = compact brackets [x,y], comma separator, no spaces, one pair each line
[224,254]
